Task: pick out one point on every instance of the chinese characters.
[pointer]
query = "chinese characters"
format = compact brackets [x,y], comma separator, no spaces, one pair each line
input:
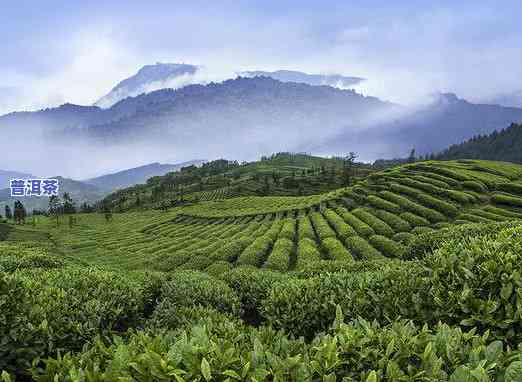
[34,187]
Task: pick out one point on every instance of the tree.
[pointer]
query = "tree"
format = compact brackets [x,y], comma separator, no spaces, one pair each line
[412,157]
[68,204]
[55,208]
[348,167]
[19,212]
[8,213]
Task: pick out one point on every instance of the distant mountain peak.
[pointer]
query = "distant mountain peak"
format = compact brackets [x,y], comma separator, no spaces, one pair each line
[150,78]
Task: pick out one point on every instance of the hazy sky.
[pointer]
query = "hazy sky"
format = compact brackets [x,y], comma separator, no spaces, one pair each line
[57,51]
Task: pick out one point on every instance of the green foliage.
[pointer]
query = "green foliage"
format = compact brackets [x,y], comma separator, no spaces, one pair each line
[426,200]
[190,289]
[383,204]
[252,285]
[218,268]
[342,229]
[256,253]
[336,250]
[413,219]
[279,258]
[361,248]
[395,222]
[416,208]
[475,186]
[306,307]
[19,256]
[387,246]
[357,224]
[509,200]
[481,289]
[307,252]
[379,226]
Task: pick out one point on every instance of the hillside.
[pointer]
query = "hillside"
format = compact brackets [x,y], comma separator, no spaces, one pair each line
[281,174]
[410,267]
[446,121]
[80,192]
[375,218]
[137,175]
[502,145]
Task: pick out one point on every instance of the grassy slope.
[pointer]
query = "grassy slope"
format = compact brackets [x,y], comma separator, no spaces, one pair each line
[375,218]
[296,174]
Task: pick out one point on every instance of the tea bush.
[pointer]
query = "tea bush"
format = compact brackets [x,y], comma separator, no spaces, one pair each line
[377,224]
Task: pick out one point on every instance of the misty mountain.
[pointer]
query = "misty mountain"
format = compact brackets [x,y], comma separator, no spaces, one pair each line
[255,111]
[6,176]
[80,192]
[335,80]
[513,99]
[446,121]
[242,118]
[137,175]
[147,79]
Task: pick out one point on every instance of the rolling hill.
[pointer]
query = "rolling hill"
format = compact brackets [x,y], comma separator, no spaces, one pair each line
[137,175]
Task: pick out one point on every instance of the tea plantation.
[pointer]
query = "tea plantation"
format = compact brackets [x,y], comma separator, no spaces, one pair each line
[412,274]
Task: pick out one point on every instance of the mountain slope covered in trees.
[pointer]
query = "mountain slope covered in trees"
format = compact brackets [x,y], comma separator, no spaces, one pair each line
[504,145]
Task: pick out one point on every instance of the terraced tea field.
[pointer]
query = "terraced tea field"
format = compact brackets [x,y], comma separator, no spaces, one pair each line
[375,218]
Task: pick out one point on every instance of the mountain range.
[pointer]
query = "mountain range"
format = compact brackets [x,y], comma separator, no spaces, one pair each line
[89,190]
[244,118]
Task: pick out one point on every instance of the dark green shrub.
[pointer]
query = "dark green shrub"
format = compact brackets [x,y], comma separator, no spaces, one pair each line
[319,267]
[379,226]
[483,287]
[169,262]
[336,250]
[342,229]
[383,204]
[20,341]
[395,222]
[256,253]
[231,250]
[475,185]
[422,230]
[507,200]
[426,200]
[197,263]
[512,188]
[279,258]
[322,228]
[306,307]
[218,268]
[357,224]
[307,252]
[252,286]
[413,219]
[361,248]
[188,289]
[387,246]
[405,238]
[219,348]
[416,208]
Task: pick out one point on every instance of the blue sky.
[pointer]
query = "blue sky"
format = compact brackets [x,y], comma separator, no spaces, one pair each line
[58,51]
